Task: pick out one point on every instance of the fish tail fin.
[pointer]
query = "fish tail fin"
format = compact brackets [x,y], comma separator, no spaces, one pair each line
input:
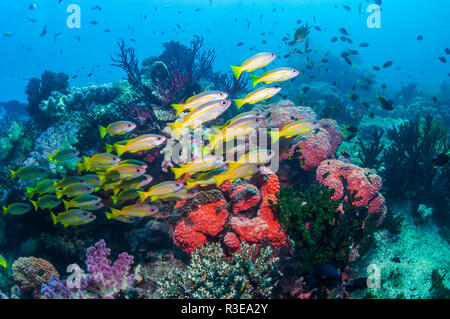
[66,204]
[34,204]
[274,136]
[114,199]
[178,107]
[102,177]
[220,179]
[13,174]
[178,171]
[30,192]
[59,193]
[120,149]
[205,150]
[87,163]
[177,128]
[153,198]
[255,79]
[109,148]
[54,220]
[237,70]
[142,196]
[190,182]
[51,158]
[80,167]
[102,131]
[5,210]
[108,215]
[115,212]
[239,102]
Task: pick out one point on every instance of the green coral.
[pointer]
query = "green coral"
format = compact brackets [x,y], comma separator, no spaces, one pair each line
[318,231]
[14,132]
[245,274]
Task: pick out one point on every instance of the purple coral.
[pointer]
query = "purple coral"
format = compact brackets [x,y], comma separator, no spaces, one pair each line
[103,280]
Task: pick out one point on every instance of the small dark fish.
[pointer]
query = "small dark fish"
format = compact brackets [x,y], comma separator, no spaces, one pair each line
[305,89]
[442,59]
[385,104]
[56,35]
[371,115]
[317,28]
[197,10]
[299,21]
[264,41]
[434,99]
[343,31]
[376,68]
[378,2]
[351,129]
[324,60]
[89,75]
[96,8]
[93,22]
[286,56]
[349,62]
[395,259]
[349,40]
[440,160]
[291,42]
[106,30]
[387,64]
[334,39]
[447,51]
[345,154]
[74,77]
[420,38]
[383,86]
[32,6]
[364,45]
[44,31]
[366,105]
[133,40]
[346,7]
[353,97]
[240,44]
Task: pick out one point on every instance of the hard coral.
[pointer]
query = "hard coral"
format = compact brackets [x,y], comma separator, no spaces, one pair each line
[30,273]
[341,177]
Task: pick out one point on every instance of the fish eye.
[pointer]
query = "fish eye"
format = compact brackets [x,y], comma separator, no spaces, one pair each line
[224,102]
[129,125]
[85,214]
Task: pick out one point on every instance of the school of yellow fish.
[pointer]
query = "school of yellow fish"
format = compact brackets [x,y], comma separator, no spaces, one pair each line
[127,179]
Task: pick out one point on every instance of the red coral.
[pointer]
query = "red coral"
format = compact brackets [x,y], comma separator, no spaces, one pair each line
[244,197]
[232,241]
[333,173]
[187,238]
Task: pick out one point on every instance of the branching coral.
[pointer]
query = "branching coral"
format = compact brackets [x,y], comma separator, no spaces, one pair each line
[371,153]
[246,274]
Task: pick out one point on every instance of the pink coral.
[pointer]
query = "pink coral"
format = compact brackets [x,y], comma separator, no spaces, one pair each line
[244,196]
[342,176]
[335,132]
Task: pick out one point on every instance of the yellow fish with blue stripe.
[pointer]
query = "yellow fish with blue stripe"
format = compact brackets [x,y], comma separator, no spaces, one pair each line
[117,128]
[66,154]
[29,172]
[160,189]
[16,209]
[293,129]
[140,143]
[204,163]
[257,61]
[236,171]
[73,217]
[262,93]
[197,100]
[43,187]
[276,75]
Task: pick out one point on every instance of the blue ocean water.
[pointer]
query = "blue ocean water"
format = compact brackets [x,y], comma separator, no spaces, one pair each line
[370,111]
[223,24]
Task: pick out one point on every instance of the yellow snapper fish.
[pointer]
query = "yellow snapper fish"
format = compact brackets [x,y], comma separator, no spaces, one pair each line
[257,156]
[135,162]
[204,113]
[160,189]
[197,100]
[92,179]
[69,181]
[73,217]
[244,115]
[293,129]
[138,210]
[276,75]
[204,179]
[181,194]
[117,128]
[137,182]
[204,163]
[102,159]
[3,262]
[255,62]
[125,219]
[121,171]
[239,128]
[140,143]
[16,209]
[43,187]
[75,190]
[226,149]
[65,154]
[46,202]
[29,172]
[262,93]
[89,202]
[235,172]
[125,195]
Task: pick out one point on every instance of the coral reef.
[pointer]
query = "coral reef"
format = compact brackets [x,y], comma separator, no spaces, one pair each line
[246,274]
[104,279]
[251,219]
[30,273]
